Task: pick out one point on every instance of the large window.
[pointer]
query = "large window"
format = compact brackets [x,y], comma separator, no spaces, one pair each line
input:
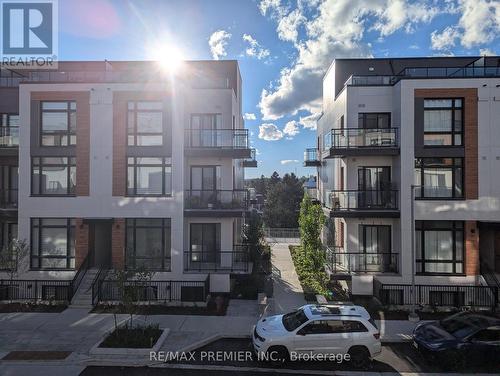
[204,242]
[52,243]
[149,176]
[53,176]
[148,244]
[439,178]
[371,120]
[440,247]
[203,132]
[443,122]
[375,238]
[58,123]
[145,123]
[9,129]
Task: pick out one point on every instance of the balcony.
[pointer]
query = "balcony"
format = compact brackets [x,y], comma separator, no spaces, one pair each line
[8,199]
[232,261]
[217,143]
[9,137]
[216,203]
[250,162]
[362,141]
[367,203]
[311,158]
[340,262]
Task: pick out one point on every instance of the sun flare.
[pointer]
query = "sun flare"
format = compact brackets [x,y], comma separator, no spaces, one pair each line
[169,57]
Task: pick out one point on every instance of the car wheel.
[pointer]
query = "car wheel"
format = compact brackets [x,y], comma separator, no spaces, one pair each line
[453,360]
[360,357]
[278,354]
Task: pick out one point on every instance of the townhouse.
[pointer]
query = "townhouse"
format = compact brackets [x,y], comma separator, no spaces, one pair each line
[113,165]
[388,125]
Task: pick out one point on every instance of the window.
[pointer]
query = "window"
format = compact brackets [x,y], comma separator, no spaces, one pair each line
[145,123]
[149,176]
[375,238]
[204,242]
[487,335]
[440,247]
[53,176]
[52,243]
[148,244]
[58,123]
[320,327]
[439,178]
[374,120]
[443,122]
[9,129]
[203,131]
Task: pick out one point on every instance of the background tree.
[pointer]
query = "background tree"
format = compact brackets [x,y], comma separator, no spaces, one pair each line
[13,260]
[283,196]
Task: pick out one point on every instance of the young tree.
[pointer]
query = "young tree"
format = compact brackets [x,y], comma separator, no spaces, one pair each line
[311,221]
[13,259]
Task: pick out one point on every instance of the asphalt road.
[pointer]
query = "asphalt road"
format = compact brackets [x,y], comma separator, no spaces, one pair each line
[395,357]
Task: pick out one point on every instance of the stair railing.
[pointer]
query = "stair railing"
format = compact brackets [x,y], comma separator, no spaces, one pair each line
[77,279]
[96,285]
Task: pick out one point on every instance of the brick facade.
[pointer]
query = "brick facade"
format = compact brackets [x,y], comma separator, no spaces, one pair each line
[82,99]
[118,243]
[81,242]
[471,248]
[470,132]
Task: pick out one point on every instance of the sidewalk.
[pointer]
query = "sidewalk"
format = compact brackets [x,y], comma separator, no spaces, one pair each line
[288,294]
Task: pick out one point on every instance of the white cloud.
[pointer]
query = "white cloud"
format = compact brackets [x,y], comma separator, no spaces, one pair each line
[270,132]
[487,52]
[291,128]
[271,7]
[255,49]
[218,42]
[335,30]
[249,116]
[479,24]
[309,121]
[288,161]
[445,39]
[257,151]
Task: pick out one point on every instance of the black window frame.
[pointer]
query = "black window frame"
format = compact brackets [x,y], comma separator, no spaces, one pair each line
[37,223]
[68,133]
[453,132]
[455,227]
[135,165]
[363,229]
[7,124]
[135,132]
[71,162]
[166,259]
[363,115]
[421,165]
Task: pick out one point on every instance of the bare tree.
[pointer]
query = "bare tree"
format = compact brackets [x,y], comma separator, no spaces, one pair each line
[12,260]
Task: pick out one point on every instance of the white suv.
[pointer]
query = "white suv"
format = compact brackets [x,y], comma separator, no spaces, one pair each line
[318,332]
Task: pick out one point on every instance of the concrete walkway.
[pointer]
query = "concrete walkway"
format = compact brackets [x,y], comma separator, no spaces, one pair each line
[288,294]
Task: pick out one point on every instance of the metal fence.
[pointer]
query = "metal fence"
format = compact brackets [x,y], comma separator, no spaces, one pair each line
[437,295]
[282,235]
[36,290]
[380,262]
[154,291]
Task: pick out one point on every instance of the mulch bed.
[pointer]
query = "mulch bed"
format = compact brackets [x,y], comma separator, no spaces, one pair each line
[136,338]
[37,355]
[26,307]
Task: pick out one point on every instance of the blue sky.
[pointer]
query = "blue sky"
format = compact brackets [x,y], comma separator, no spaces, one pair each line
[283,48]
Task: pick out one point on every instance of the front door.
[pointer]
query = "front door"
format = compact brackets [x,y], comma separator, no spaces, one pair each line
[497,251]
[100,244]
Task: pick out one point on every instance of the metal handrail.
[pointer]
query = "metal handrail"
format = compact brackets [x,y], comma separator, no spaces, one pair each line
[347,199]
[216,199]
[350,138]
[361,261]
[96,285]
[80,274]
[217,138]
[310,155]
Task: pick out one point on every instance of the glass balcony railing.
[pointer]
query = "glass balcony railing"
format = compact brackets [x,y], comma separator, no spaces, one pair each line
[216,199]
[339,261]
[311,155]
[235,260]
[217,138]
[351,200]
[350,138]
[9,136]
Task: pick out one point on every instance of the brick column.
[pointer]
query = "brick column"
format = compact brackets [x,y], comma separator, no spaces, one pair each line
[471,248]
[81,242]
[118,244]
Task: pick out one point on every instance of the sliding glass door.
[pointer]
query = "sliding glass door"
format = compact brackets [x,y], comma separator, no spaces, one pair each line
[205,242]
[374,184]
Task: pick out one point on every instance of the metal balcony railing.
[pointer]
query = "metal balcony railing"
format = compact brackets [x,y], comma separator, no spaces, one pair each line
[347,262]
[251,161]
[8,198]
[9,136]
[311,155]
[216,199]
[339,200]
[236,260]
[217,138]
[363,138]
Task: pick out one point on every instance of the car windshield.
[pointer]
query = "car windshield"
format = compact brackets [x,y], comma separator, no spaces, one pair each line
[293,320]
[462,325]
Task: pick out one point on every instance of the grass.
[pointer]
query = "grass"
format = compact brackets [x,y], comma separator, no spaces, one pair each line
[140,337]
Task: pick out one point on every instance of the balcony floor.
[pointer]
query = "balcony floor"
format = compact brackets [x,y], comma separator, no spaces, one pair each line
[361,151]
[364,213]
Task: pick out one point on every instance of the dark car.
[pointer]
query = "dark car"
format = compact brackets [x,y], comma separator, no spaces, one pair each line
[463,338]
